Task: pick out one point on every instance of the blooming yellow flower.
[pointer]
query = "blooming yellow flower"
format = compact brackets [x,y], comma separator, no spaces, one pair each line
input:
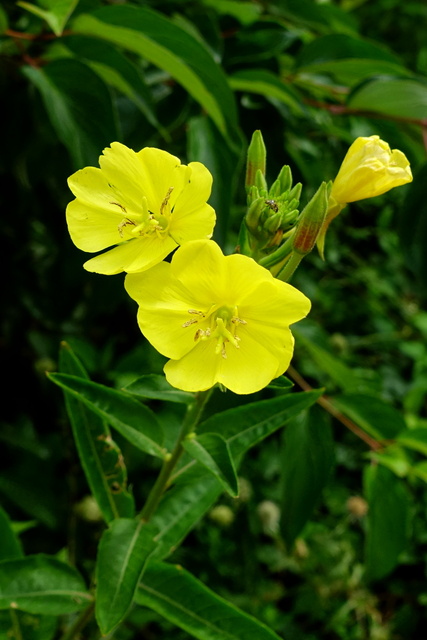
[219,318]
[369,169]
[147,203]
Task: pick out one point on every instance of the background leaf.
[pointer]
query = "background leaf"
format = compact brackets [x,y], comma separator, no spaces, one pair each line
[101,459]
[308,456]
[79,108]
[10,546]
[212,451]
[41,584]
[185,601]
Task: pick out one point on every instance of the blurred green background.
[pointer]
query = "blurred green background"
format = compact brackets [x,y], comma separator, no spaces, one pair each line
[197,77]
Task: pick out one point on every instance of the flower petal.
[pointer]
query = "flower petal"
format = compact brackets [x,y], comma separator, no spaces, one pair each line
[136,255]
[93,228]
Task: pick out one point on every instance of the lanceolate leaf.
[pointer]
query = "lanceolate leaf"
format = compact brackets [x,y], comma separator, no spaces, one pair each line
[42,584]
[387,523]
[129,417]
[156,387]
[306,463]
[375,416]
[79,107]
[157,39]
[267,84]
[100,457]
[196,490]
[179,597]
[212,451]
[122,554]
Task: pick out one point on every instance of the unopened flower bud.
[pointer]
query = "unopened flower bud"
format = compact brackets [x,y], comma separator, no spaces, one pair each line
[273,223]
[256,159]
[253,215]
[311,221]
[369,169]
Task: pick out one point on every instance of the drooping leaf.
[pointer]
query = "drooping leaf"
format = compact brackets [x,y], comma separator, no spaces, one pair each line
[133,420]
[79,107]
[375,416]
[185,601]
[387,521]
[267,84]
[115,69]
[56,13]
[307,461]
[156,387]
[122,554]
[42,584]
[99,455]
[157,39]
[212,451]
[400,97]
[10,546]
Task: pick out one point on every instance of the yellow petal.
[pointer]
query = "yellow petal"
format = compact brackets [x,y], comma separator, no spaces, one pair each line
[93,228]
[122,169]
[136,255]
[162,172]
[193,225]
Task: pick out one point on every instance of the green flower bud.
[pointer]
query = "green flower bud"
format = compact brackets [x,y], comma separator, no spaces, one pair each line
[311,221]
[256,159]
[253,216]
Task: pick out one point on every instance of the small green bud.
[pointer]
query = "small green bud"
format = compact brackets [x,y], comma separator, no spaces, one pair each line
[295,192]
[273,223]
[260,182]
[285,178]
[253,215]
[311,221]
[256,159]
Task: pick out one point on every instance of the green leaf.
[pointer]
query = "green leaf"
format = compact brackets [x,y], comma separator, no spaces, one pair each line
[415,439]
[56,13]
[182,507]
[307,463]
[79,107]
[99,455]
[4,21]
[10,546]
[399,97]
[413,236]
[342,375]
[115,69]
[245,12]
[267,84]
[122,554]
[42,584]
[245,426]
[185,601]
[387,521]
[196,490]
[376,417]
[206,146]
[156,387]
[282,383]
[130,418]
[158,40]
[212,451]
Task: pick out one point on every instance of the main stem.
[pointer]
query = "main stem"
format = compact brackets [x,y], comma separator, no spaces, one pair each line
[191,420]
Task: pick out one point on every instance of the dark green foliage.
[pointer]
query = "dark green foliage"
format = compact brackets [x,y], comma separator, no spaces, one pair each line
[307,548]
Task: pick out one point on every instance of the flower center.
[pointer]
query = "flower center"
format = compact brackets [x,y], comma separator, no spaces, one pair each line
[146,222]
[221,325]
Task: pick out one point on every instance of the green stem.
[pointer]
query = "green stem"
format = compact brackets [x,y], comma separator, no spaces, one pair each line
[79,623]
[290,267]
[279,254]
[16,627]
[191,420]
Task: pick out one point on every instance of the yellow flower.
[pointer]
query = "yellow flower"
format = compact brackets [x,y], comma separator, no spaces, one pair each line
[219,318]
[369,169]
[147,203]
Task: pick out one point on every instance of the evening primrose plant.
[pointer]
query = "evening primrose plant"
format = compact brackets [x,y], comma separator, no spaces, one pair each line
[224,324]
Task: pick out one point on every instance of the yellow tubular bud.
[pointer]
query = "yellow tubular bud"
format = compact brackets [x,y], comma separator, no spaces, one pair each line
[369,169]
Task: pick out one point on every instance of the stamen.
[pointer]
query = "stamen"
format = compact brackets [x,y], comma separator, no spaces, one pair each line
[124,223]
[166,200]
[189,322]
[119,205]
[199,313]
